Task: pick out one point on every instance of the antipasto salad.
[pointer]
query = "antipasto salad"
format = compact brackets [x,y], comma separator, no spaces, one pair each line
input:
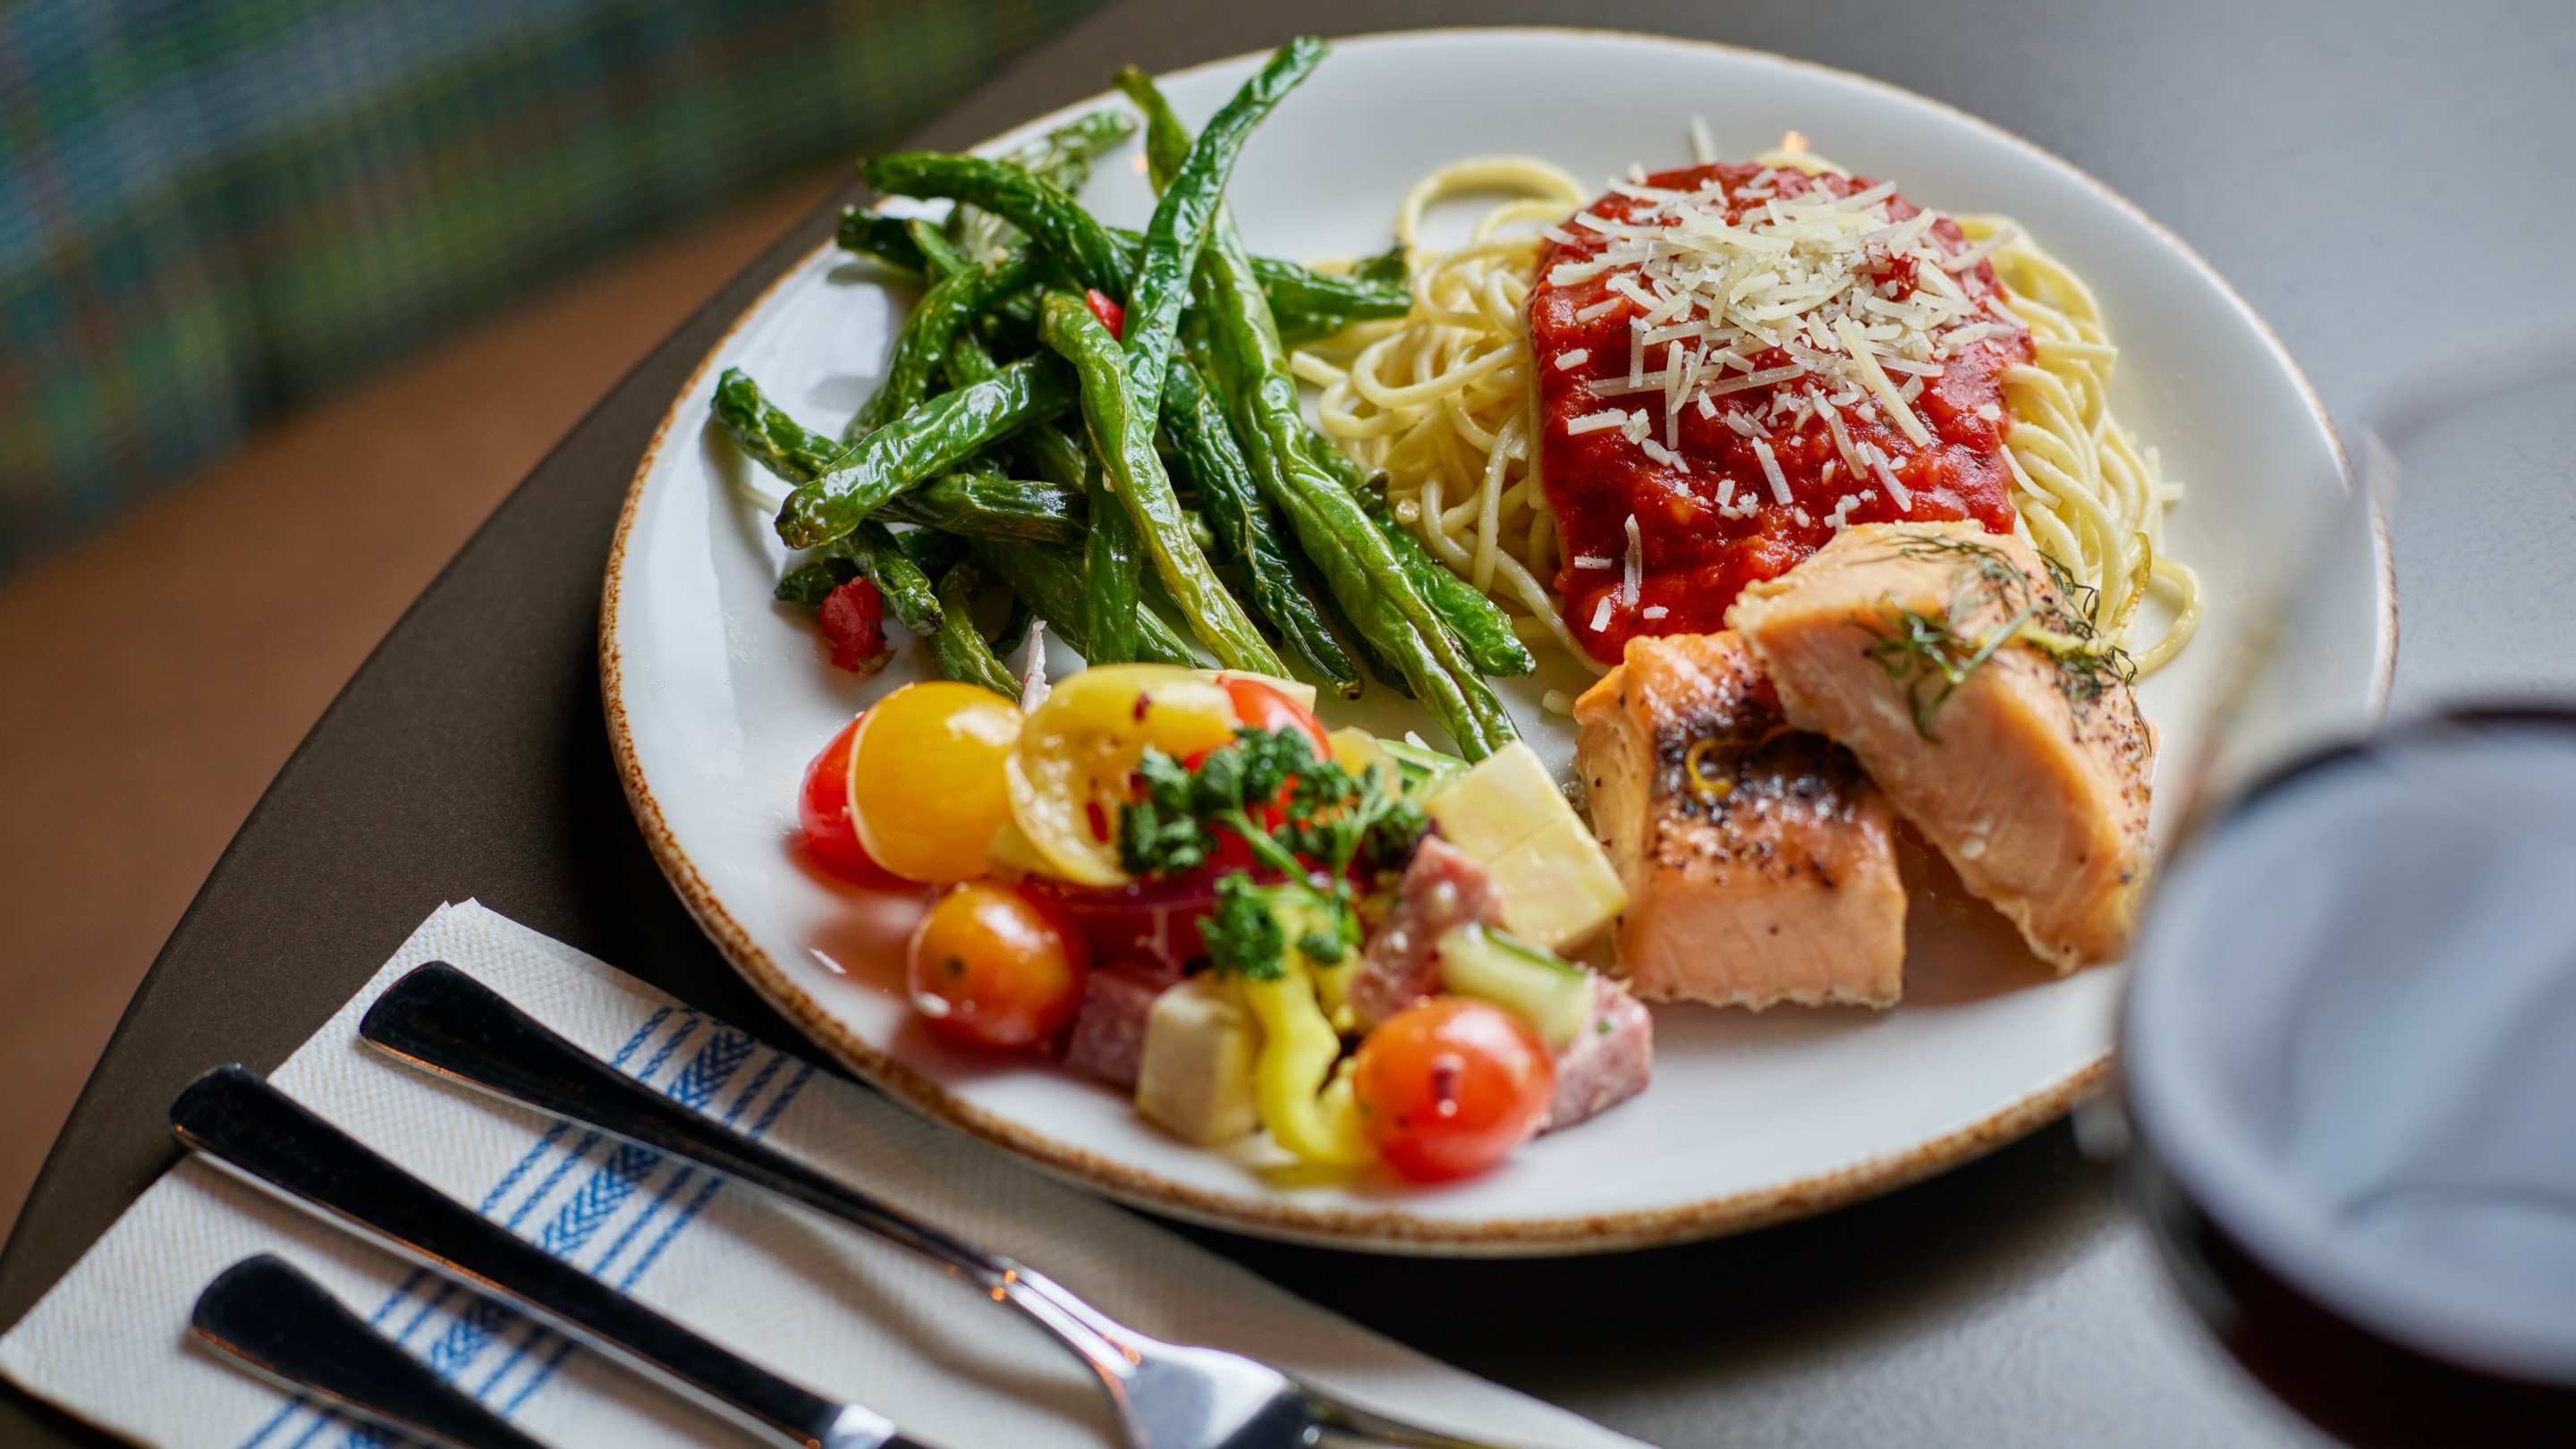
[1182,885]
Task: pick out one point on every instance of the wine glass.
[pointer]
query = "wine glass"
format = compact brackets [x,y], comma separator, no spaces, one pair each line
[2348,1049]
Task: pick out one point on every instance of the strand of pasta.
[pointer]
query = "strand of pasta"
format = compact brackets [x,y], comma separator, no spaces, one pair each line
[2086,494]
[1442,399]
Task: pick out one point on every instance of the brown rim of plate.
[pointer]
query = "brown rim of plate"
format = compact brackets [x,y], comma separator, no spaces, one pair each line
[1389,1230]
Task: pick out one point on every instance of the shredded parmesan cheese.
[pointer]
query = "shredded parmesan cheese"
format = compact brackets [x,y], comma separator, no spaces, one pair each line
[1771,473]
[1876,378]
[1896,493]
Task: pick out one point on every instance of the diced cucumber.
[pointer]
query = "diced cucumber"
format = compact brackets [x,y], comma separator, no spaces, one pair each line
[1426,771]
[1552,995]
[1195,1079]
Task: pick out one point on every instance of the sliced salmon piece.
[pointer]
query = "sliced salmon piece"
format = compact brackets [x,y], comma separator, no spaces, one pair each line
[1760,862]
[2021,755]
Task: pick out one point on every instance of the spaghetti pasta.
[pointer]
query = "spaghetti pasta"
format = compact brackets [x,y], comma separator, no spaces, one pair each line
[1441,403]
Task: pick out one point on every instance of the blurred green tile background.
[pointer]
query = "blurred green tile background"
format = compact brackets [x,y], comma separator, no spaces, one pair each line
[211,213]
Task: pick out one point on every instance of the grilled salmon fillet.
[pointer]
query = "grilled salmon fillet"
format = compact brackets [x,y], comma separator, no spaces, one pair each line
[1760,862]
[1950,662]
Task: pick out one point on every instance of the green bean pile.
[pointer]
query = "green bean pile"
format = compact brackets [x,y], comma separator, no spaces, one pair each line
[1154,493]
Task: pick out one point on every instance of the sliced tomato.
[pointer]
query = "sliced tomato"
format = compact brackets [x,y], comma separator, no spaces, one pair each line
[1260,706]
[823,810]
[1075,764]
[926,786]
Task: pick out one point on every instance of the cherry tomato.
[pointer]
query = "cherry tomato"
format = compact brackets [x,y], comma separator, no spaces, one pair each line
[1450,1087]
[823,809]
[926,786]
[988,967]
[1258,706]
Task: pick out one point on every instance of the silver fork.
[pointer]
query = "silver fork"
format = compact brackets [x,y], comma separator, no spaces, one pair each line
[1167,1395]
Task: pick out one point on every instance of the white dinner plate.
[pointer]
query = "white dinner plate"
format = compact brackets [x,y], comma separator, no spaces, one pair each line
[717,696]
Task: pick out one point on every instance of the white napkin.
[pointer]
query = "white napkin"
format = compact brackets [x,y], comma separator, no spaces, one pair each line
[812,1300]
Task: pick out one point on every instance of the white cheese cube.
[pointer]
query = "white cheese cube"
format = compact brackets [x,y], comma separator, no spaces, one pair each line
[1195,1080]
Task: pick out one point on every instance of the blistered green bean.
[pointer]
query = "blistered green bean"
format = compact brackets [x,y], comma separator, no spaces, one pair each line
[883,238]
[1191,198]
[986,502]
[961,649]
[1122,433]
[902,582]
[922,346]
[923,443]
[1051,580]
[1055,221]
[1480,623]
[1061,158]
[763,430]
[1245,529]
[1250,368]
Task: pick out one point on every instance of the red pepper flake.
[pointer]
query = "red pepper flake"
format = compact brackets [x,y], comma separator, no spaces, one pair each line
[1144,702]
[1111,315]
[853,617]
[1098,818]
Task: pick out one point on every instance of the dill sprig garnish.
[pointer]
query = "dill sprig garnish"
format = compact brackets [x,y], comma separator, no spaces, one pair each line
[1930,657]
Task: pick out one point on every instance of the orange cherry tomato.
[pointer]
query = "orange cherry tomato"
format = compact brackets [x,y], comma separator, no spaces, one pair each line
[1259,707]
[823,810]
[926,784]
[988,967]
[1450,1087]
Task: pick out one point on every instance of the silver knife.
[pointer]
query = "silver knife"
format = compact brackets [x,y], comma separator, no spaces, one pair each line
[261,1135]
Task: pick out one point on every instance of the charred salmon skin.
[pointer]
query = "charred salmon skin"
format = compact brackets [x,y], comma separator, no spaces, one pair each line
[1760,862]
[1959,670]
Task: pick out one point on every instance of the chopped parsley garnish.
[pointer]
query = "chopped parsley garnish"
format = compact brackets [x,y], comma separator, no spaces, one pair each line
[1295,811]
[1249,933]
[1306,819]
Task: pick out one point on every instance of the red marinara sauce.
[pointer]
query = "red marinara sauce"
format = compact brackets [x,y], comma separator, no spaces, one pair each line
[1700,552]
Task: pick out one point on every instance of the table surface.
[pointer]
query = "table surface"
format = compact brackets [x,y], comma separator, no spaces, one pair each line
[2361,172]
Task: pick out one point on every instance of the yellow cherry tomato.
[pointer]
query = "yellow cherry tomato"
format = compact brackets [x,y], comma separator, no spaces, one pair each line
[1071,772]
[926,783]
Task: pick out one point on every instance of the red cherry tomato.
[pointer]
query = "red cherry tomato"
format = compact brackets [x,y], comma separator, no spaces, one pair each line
[1450,1087]
[989,967]
[1258,706]
[823,809]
